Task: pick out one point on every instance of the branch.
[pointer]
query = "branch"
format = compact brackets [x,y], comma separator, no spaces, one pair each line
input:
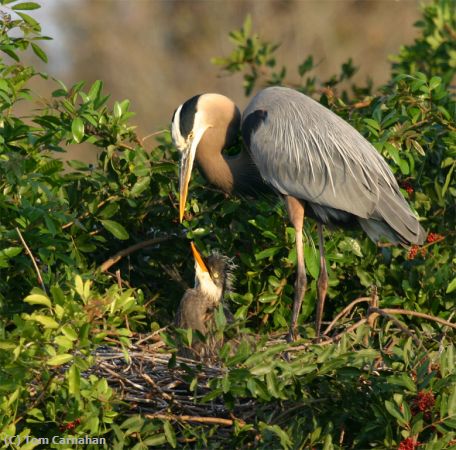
[87,213]
[345,311]
[416,314]
[127,251]
[384,313]
[29,252]
[208,420]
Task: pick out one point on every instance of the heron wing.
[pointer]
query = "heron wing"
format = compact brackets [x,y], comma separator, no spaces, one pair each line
[305,150]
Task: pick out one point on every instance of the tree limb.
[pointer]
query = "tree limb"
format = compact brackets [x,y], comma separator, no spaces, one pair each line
[133,248]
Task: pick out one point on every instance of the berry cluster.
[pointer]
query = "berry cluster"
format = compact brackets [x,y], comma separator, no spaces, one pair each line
[434,237]
[70,425]
[408,187]
[413,251]
[423,402]
[408,444]
[431,239]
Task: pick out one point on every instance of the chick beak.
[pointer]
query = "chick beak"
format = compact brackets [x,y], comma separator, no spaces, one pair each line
[198,258]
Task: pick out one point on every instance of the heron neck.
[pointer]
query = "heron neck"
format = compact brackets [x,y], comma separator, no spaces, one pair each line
[231,174]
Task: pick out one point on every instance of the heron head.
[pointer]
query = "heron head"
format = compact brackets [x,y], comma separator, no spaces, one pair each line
[213,275]
[190,122]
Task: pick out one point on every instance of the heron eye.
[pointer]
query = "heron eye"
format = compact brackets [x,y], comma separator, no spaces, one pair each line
[190,136]
[215,275]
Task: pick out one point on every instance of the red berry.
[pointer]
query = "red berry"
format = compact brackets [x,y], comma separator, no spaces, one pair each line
[424,401]
[408,187]
[412,252]
[408,444]
[434,237]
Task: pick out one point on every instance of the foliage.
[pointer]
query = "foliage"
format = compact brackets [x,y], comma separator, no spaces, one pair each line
[57,304]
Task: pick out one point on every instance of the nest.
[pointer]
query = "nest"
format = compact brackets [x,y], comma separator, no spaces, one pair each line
[150,384]
[157,384]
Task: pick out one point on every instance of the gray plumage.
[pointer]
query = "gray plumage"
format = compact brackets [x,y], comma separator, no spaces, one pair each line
[305,150]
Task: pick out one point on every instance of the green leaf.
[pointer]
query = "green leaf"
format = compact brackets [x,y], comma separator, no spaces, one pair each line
[38,299]
[434,82]
[394,411]
[116,229]
[58,360]
[267,253]
[169,433]
[74,379]
[10,252]
[312,261]
[447,180]
[373,123]
[39,52]
[452,402]
[452,286]
[305,66]
[46,321]
[109,210]
[140,186]
[26,6]
[117,110]
[30,20]
[158,439]
[77,128]
[95,90]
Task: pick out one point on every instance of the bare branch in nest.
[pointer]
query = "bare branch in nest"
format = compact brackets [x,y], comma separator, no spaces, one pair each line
[35,265]
[129,250]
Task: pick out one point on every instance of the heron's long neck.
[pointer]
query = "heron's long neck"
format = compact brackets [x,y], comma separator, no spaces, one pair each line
[229,173]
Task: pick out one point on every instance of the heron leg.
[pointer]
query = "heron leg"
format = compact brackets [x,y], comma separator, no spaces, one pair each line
[322,283]
[296,213]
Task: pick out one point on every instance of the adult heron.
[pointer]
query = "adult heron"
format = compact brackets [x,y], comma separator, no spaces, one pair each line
[315,160]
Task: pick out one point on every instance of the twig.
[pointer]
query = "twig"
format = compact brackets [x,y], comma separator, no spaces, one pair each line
[209,420]
[133,248]
[152,134]
[373,304]
[371,318]
[384,313]
[29,252]
[347,331]
[329,340]
[345,311]
[150,336]
[87,213]
[417,314]
[119,278]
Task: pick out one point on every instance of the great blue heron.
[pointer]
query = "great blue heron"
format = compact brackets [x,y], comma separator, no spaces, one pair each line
[318,162]
[213,276]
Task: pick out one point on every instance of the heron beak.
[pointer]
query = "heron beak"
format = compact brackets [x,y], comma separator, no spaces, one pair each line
[198,258]
[186,166]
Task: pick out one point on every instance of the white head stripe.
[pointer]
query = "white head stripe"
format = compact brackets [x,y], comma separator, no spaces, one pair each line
[178,139]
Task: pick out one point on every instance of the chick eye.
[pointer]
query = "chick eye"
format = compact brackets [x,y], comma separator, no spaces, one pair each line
[190,136]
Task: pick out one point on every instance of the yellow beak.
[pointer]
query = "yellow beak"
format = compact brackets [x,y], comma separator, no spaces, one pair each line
[186,166]
[198,258]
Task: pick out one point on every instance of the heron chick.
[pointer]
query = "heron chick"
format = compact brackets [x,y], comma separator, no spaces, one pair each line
[213,278]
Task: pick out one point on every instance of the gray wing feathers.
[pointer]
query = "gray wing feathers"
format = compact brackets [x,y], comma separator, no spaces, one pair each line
[305,150]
